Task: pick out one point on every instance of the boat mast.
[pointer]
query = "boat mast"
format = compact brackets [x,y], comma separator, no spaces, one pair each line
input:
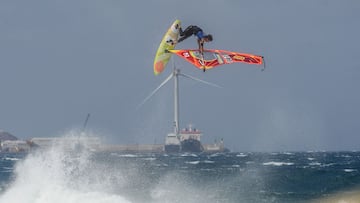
[86,121]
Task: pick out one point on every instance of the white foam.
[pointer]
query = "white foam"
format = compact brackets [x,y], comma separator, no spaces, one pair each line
[273,163]
[327,165]
[315,164]
[175,187]
[346,156]
[193,162]
[350,170]
[11,159]
[215,155]
[127,155]
[241,155]
[149,159]
[188,154]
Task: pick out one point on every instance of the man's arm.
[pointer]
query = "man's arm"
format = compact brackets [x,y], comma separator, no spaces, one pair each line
[201,45]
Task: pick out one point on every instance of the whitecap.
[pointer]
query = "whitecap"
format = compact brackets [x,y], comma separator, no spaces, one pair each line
[127,155]
[150,159]
[346,156]
[215,155]
[193,162]
[348,170]
[315,164]
[206,169]
[326,165]
[273,163]
[187,154]
[241,155]
[11,159]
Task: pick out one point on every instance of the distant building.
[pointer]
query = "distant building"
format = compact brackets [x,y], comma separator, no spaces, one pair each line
[218,146]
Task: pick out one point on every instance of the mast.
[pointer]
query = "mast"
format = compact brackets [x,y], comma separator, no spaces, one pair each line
[175,74]
[176,101]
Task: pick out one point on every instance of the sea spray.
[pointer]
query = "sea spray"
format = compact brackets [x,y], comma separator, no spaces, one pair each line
[61,173]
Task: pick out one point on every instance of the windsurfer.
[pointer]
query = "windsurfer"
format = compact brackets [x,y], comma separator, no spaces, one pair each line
[193,30]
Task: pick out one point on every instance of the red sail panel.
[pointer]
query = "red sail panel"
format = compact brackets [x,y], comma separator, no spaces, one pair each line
[212,58]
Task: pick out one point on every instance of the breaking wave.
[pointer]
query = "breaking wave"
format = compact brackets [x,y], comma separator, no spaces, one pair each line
[57,175]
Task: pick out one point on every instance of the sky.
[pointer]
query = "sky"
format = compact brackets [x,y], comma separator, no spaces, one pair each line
[60,60]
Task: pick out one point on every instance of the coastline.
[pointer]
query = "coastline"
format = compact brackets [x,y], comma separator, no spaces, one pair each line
[93,144]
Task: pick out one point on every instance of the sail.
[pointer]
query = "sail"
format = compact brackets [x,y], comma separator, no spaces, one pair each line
[212,58]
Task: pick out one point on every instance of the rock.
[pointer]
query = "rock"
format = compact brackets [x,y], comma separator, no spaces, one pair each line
[6,136]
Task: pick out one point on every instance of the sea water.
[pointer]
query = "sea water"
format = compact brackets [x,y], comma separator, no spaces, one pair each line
[59,175]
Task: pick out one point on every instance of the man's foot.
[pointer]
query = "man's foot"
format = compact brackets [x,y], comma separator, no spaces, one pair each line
[204,69]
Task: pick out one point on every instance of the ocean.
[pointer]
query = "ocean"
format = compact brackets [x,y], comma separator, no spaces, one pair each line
[56,175]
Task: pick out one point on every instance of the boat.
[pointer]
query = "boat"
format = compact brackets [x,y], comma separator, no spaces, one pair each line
[172,143]
[190,140]
[187,140]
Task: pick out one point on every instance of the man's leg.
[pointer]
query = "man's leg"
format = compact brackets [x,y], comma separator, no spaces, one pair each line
[186,33]
[183,34]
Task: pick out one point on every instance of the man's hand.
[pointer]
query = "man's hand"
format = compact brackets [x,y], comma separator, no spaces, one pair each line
[172,42]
